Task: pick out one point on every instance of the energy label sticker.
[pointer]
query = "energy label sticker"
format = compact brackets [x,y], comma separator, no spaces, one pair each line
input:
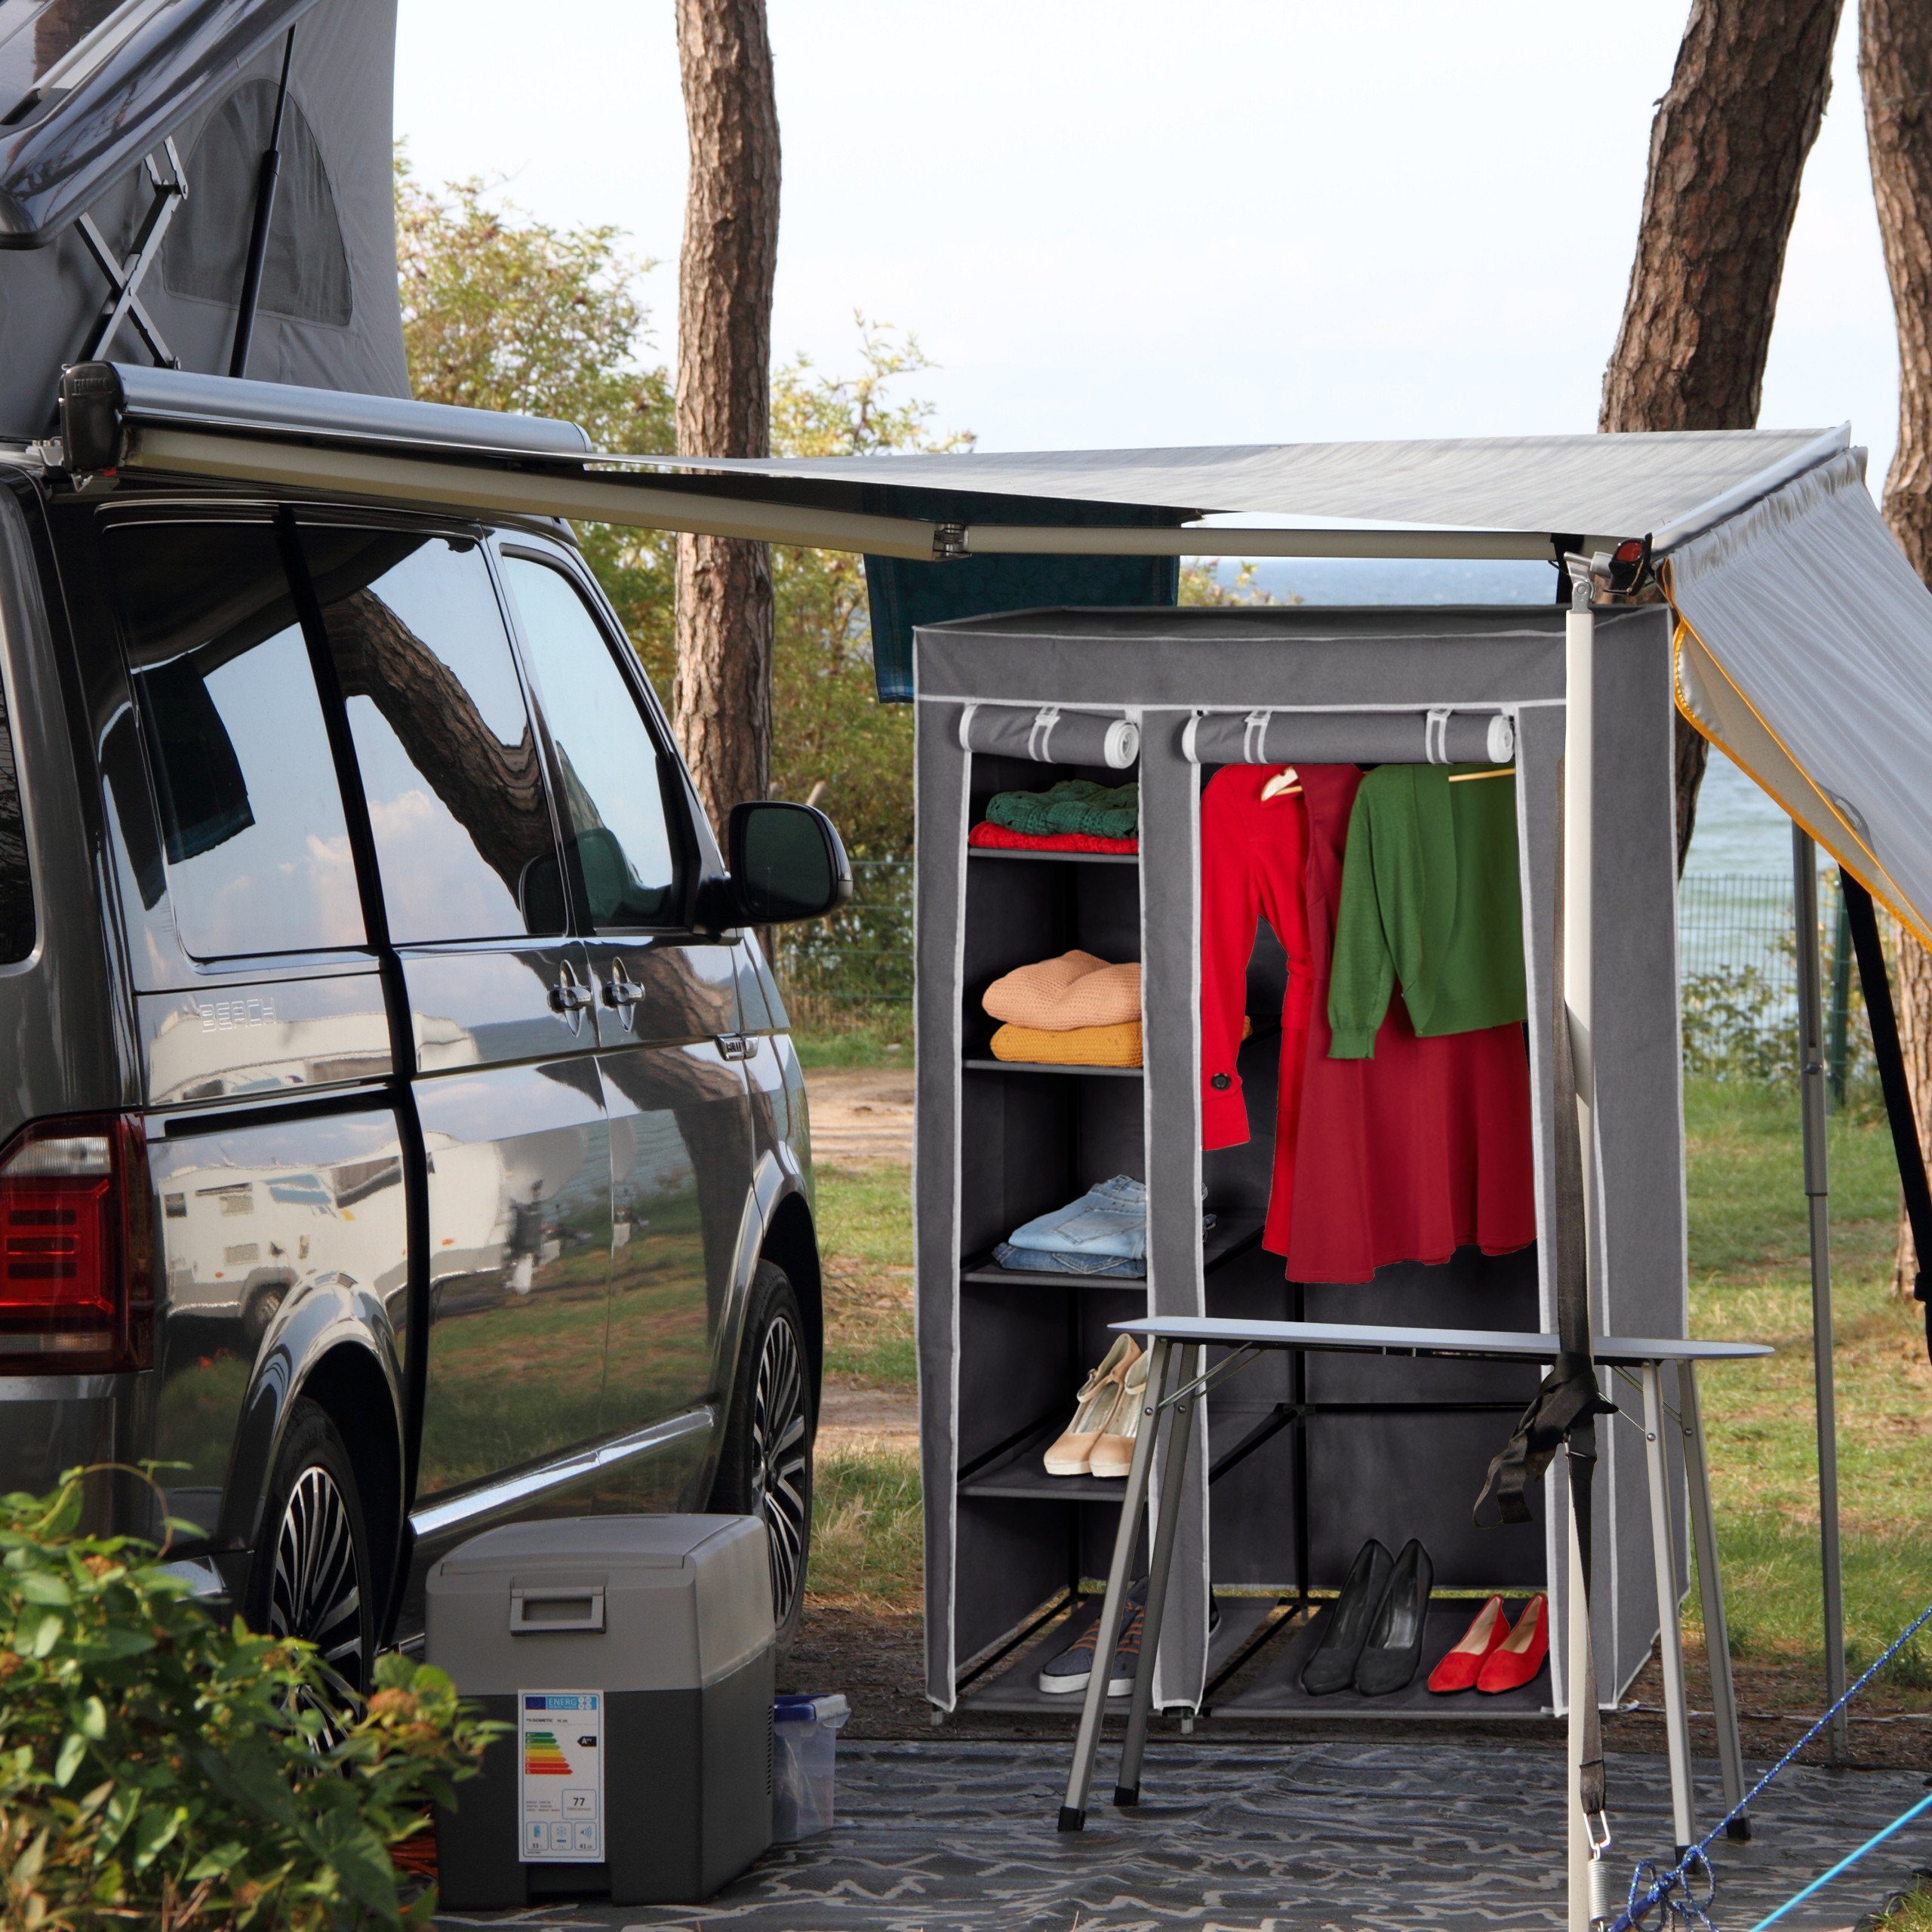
[561,1738]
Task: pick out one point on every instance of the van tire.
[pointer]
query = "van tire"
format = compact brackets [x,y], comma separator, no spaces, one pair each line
[764,1468]
[311,1575]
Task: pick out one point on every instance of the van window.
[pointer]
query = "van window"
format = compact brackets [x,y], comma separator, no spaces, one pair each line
[443,737]
[614,774]
[16,886]
[252,832]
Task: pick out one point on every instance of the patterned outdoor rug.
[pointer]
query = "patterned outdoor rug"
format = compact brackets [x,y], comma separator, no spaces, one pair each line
[1230,1838]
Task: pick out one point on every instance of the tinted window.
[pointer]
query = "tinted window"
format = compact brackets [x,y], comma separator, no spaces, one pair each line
[614,778]
[16,888]
[251,820]
[448,759]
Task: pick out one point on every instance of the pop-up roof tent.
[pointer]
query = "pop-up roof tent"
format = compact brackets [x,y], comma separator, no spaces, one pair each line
[132,134]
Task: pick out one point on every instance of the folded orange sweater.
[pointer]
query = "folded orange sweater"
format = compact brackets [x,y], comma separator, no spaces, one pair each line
[1074,990]
[1071,1046]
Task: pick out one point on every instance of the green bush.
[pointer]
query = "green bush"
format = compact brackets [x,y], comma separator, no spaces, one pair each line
[157,1768]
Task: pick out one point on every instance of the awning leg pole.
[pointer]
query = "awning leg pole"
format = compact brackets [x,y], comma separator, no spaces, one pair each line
[1812,1102]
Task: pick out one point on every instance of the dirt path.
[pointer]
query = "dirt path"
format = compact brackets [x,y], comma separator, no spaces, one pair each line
[861,1115]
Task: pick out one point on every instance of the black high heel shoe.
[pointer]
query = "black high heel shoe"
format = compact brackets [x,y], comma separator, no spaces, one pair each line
[1393,1654]
[1346,1624]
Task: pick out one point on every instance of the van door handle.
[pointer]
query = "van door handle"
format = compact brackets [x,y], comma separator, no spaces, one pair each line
[736,1046]
[622,993]
[568,999]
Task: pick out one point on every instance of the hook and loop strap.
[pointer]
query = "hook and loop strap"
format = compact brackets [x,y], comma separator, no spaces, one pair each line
[1040,738]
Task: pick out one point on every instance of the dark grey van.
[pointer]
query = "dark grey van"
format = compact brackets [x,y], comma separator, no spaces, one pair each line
[399,1131]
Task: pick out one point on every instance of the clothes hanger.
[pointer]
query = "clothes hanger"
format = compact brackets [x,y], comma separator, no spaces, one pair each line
[1285,783]
[1464,777]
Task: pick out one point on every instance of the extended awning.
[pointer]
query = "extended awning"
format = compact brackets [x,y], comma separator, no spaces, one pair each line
[1805,648]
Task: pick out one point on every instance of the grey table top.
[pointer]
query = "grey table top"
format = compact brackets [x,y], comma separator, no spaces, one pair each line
[1493,1344]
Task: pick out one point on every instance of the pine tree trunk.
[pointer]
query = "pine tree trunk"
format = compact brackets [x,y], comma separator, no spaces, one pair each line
[721,695]
[1895,72]
[1727,147]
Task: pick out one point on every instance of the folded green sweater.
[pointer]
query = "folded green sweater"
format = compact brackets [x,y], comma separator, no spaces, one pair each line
[1075,805]
[1430,898]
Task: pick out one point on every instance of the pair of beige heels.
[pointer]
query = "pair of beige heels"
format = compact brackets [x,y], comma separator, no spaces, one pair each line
[1100,1440]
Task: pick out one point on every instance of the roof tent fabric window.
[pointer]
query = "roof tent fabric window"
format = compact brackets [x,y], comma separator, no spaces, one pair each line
[176,76]
[306,274]
[1804,652]
[1439,736]
[902,593]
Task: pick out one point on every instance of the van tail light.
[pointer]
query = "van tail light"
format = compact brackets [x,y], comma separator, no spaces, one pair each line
[76,1247]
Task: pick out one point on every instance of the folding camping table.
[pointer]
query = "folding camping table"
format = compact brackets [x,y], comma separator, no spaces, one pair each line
[1176,1382]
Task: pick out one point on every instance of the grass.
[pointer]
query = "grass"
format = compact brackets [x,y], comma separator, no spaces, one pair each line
[876,1036]
[866,1533]
[1749,1278]
[865,1234]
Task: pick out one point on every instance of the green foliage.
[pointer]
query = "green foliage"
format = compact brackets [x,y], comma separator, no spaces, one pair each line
[502,311]
[832,731]
[1737,1025]
[158,1768]
[1201,584]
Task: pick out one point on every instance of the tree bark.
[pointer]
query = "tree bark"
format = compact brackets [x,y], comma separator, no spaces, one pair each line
[722,693]
[1727,148]
[1895,74]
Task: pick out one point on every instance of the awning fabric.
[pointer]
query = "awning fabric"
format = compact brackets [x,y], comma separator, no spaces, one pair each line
[1804,652]
[1804,639]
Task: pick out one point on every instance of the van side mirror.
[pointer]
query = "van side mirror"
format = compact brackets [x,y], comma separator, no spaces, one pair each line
[787,863]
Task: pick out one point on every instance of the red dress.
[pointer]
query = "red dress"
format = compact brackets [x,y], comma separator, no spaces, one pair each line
[1423,1149]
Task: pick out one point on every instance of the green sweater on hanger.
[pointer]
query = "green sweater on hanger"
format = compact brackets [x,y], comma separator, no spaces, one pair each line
[1431,900]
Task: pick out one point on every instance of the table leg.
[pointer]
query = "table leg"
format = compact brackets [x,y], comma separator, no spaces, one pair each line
[1080,1777]
[1710,1589]
[1173,1473]
[1670,1638]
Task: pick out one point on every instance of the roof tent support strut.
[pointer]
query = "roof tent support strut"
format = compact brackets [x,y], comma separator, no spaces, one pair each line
[124,278]
[268,174]
[1817,1191]
[1885,1049]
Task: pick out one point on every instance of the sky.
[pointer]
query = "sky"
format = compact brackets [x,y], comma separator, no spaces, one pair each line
[1124,222]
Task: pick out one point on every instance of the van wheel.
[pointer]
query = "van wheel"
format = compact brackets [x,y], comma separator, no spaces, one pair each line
[764,1468]
[311,1577]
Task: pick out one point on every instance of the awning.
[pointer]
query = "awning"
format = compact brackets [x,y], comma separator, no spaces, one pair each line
[1805,642]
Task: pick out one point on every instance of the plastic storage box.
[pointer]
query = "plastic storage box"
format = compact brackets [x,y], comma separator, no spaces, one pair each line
[804,1753]
[633,1655]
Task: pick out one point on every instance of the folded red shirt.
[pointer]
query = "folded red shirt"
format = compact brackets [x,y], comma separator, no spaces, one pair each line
[987,833]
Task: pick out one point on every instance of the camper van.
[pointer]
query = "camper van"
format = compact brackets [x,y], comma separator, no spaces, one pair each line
[399,1129]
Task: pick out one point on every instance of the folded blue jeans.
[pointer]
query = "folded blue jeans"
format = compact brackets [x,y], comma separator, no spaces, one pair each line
[1109,1219]
[1048,1261]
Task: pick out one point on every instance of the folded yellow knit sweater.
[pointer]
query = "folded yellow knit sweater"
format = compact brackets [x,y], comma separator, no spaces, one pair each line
[1071,1046]
[1073,991]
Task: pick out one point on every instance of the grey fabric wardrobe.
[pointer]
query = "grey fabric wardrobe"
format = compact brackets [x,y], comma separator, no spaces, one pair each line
[1303,1459]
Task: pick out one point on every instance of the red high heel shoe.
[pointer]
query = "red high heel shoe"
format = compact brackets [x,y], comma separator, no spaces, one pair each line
[1460,1667]
[1520,1656]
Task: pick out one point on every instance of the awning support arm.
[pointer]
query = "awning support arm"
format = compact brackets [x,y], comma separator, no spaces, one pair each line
[1891,1057]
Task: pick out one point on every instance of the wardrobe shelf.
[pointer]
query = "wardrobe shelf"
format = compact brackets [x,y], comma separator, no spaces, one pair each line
[1054,858]
[1018,1473]
[1222,1242]
[1046,1066]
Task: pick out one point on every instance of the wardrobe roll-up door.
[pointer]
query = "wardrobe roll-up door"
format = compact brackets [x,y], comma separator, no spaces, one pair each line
[1049,735]
[1440,736]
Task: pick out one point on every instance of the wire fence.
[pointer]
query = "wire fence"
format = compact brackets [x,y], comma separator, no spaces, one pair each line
[1737,946]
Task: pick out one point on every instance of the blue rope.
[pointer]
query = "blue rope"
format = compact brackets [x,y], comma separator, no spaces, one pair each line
[1663,1889]
[1818,1885]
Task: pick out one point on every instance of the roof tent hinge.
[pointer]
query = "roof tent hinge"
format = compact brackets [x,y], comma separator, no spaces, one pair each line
[125,275]
[950,542]
[94,432]
[1608,574]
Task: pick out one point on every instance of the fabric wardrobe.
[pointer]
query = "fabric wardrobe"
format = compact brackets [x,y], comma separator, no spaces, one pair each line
[1298,1462]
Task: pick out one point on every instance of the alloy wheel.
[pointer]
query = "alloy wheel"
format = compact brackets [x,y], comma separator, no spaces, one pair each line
[780,1494]
[316,1592]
